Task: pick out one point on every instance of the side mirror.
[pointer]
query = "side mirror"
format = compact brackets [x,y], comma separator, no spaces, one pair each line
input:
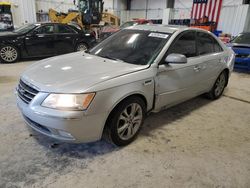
[176,59]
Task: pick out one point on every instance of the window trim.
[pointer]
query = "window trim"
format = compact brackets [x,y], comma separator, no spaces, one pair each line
[196,44]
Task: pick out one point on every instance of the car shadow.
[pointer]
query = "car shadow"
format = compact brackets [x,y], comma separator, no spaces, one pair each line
[169,116]
[152,122]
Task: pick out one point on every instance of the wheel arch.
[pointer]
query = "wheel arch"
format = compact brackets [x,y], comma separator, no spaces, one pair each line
[137,94]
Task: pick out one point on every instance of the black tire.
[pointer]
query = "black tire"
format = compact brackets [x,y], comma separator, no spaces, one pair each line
[9,54]
[218,87]
[81,47]
[112,125]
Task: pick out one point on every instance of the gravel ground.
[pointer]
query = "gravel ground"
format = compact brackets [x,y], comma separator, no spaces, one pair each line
[199,143]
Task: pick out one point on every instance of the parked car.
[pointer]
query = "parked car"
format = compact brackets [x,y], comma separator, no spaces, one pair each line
[42,40]
[109,30]
[241,46]
[109,90]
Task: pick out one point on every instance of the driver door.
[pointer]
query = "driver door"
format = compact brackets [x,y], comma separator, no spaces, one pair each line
[179,82]
[41,41]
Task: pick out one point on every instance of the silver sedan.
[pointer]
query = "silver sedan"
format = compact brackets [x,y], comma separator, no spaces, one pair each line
[108,90]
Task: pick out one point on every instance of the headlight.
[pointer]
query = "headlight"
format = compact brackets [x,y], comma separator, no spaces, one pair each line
[68,101]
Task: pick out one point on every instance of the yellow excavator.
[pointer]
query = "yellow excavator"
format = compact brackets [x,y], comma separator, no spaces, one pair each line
[89,16]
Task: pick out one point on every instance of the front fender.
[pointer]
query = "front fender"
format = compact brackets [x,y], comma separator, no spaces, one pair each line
[106,100]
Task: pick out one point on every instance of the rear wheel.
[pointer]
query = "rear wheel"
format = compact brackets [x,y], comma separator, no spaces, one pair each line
[9,54]
[125,121]
[219,86]
[81,47]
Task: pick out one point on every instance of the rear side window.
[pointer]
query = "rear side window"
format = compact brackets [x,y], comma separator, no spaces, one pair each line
[206,44]
[64,29]
[185,45]
[47,29]
[217,47]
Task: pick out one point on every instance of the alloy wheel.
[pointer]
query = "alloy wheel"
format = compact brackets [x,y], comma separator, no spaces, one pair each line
[129,121]
[9,54]
[220,85]
[81,47]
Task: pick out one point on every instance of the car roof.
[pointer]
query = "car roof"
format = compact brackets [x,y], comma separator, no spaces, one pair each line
[159,28]
[164,28]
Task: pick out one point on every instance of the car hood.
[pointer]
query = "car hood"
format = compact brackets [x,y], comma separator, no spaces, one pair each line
[75,72]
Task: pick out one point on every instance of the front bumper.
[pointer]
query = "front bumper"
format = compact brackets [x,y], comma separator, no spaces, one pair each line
[67,126]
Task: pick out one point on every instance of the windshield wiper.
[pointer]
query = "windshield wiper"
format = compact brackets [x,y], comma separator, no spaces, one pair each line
[109,57]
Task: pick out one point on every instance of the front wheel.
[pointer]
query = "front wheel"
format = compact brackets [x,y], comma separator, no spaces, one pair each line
[9,54]
[81,47]
[218,87]
[125,121]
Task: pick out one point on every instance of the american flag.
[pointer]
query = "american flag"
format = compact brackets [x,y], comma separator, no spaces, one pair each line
[206,8]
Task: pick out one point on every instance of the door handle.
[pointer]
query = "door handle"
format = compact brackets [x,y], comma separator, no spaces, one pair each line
[147,82]
[68,37]
[197,68]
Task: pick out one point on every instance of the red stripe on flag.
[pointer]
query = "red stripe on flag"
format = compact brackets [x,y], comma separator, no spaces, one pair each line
[201,7]
[218,14]
[196,11]
[209,8]
[215,3]
[205,9]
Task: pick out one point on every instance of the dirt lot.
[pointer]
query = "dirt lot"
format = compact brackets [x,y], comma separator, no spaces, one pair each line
[200,143]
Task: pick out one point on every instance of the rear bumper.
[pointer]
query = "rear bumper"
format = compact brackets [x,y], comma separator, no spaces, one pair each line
[67,126]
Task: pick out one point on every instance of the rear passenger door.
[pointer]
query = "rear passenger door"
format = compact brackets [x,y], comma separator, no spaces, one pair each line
[211,55]
[65,39]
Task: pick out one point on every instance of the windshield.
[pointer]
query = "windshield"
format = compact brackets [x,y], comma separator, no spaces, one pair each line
[242,38]
[25,28]
[132,46]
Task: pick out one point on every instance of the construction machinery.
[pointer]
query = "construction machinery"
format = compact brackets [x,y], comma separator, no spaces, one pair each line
[89,16]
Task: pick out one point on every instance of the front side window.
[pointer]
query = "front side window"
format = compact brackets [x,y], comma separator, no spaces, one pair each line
[47,29]
[132,46]
[184,45]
